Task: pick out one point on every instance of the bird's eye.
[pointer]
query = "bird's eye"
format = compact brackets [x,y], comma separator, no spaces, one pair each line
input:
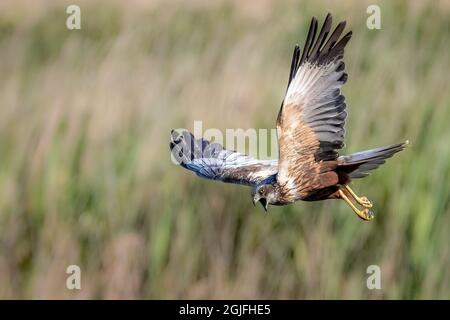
[261,191]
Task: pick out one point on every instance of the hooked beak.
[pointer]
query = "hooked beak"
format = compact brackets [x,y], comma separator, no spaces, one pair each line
[263,202]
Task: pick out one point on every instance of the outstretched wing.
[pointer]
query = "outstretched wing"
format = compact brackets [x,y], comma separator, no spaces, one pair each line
[310,124]
[212,161]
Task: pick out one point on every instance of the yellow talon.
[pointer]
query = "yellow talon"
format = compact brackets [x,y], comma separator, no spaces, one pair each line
[364,214]
[366,203]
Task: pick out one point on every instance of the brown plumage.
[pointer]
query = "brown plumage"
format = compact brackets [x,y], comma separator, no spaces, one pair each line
[310,128]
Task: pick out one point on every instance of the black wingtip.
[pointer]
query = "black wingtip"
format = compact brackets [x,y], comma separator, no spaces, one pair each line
[309,40]
[328,45]
[328,19]
[294,63]
[174,136]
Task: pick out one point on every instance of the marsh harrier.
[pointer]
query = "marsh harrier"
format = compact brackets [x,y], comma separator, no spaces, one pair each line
[310,130]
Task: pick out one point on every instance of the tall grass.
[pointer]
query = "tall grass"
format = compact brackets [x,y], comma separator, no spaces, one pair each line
[86,176]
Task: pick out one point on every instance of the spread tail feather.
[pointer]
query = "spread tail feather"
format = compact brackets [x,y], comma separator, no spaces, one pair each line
[358,164]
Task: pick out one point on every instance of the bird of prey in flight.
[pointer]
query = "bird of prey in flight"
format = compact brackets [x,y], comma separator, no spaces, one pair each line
[310,130]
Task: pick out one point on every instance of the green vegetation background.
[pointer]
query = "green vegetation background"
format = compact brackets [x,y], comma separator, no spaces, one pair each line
[85,170]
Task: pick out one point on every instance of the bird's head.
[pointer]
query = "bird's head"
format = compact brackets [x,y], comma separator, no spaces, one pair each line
[265,194]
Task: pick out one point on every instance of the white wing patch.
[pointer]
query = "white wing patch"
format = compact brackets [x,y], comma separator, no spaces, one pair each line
[314,83]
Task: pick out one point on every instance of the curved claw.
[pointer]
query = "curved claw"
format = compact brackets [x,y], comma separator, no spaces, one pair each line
[364,214]
[366,203]
[369,215]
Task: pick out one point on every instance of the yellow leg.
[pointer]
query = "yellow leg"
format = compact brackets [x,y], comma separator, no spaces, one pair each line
[361,200]
[364,214]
